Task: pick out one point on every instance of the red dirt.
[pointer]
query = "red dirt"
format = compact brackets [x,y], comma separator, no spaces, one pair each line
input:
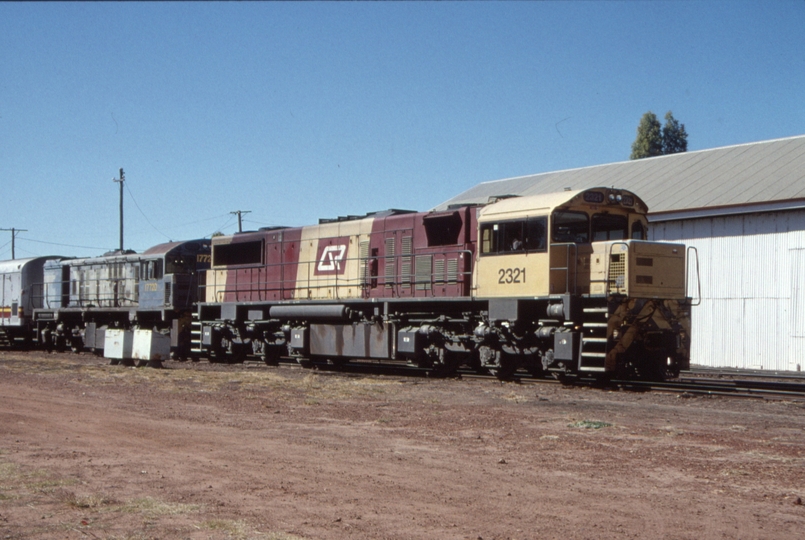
[89,450]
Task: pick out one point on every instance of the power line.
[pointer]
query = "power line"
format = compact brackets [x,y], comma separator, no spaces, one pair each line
[143,214]
[62,245]
[240,222]
[222,227]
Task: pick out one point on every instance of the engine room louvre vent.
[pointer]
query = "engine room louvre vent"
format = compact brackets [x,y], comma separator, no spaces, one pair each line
[424,264]
[438,271]
[405,272]
[390,262]
[363,254]
[405,263]
[645,280]
[406,245]
[167,293]
[452,271]
[644,261]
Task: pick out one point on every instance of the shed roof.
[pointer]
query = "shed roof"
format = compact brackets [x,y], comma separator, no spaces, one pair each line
[752,177]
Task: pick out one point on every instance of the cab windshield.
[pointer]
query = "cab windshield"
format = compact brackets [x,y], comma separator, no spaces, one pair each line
[570,227]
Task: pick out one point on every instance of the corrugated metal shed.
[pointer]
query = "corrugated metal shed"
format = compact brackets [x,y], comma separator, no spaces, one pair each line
[727,180]
[743,208]
[752,268]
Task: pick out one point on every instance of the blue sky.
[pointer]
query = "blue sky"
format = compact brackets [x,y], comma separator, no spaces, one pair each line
[296,111]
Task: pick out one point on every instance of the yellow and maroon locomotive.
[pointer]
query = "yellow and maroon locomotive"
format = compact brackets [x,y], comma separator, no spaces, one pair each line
[564,283]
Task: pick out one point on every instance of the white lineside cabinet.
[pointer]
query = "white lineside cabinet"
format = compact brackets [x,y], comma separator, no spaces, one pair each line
[118,343]
[150,345]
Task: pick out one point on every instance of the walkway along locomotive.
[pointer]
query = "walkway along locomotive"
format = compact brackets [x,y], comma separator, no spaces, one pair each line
[564,283]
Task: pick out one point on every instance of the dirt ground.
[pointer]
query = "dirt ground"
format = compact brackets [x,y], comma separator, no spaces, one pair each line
[197,451]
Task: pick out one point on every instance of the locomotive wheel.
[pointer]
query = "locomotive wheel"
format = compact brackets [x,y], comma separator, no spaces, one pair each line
[269,354]
[446,365]
[642,364]
[502,373]
[304,362]
[506,367]
[536,371]
[270,359]
[563,378]
[217,355]
[336,363]
[238,355]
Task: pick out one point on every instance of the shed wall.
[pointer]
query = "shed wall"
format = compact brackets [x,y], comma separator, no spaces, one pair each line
[752,267]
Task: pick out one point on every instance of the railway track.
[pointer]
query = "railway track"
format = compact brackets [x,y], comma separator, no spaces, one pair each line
[731,383]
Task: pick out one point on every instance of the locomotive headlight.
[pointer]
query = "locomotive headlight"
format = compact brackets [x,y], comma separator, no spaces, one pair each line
[619,198]
[612,197]
[616,334]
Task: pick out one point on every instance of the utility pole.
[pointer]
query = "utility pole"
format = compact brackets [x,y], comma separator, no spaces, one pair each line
[13,235]
[120,181]
[240,223]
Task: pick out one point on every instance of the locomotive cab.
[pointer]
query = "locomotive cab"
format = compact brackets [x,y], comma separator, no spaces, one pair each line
[572,280]
[541,245]
[170,273]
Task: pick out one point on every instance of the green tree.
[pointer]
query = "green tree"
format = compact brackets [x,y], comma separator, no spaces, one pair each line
[674,136]
[649,138]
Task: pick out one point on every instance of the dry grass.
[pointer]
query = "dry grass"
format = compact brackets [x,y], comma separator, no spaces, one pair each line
[16,483]
[152,508]
[514,397]
[241,530]
[589,424]
[93,371]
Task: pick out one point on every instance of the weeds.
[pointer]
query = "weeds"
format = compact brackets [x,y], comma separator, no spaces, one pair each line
[590,424]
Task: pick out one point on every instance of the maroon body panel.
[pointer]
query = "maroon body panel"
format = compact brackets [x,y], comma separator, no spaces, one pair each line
[274,277]
[405,263]
[410,255]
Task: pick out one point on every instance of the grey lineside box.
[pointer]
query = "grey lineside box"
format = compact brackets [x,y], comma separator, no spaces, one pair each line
[118,343]
[150,345]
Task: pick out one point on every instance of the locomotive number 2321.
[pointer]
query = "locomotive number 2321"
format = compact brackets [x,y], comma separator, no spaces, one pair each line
[508,276]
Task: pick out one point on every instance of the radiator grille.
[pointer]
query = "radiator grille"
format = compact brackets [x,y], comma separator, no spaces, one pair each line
[389,266]
[438,271]
[363,253]
[405,263]
[452,271]
[617,270]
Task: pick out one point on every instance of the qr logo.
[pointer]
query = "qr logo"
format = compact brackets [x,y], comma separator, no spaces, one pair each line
[331,257]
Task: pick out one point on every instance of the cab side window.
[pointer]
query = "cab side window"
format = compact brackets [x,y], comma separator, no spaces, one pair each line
[521,236]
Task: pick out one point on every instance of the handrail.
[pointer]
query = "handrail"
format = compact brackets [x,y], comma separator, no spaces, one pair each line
[336,282]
